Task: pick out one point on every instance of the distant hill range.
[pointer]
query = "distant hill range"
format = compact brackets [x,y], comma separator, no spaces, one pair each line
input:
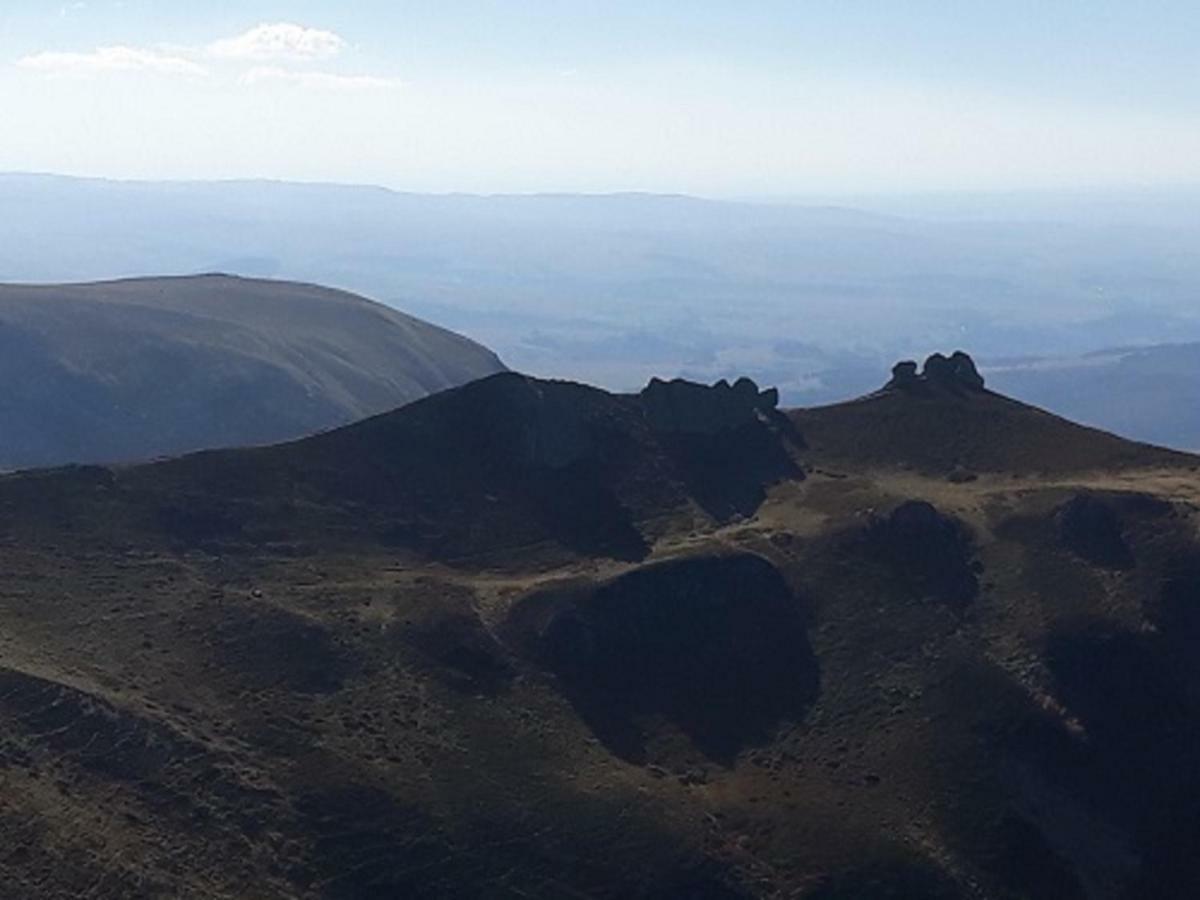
[134,369]
[1147,393]
[614,289]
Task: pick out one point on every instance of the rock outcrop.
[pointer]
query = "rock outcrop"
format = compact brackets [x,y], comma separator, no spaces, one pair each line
[726,441]
[956,373]
[685,407]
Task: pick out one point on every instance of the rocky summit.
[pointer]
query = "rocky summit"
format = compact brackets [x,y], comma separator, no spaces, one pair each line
[531,639]
[956,372]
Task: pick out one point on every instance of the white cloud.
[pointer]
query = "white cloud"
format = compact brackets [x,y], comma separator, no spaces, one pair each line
[271,45]
[279,41]
[318,80]
[110,59]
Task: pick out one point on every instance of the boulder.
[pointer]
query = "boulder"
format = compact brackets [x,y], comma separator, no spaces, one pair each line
[904,373]
[963,369]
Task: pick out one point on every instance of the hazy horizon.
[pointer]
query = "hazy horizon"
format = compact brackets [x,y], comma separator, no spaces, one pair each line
[1146,203]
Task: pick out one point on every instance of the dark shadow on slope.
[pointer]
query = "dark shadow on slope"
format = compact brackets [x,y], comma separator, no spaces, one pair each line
[441,628]
[271,648]
[1136,695]
[576,506]
[930,554]
[198,521]
[100,738]
[1023,861]
[511,459]
[1093,529]
[715,645]
[995,752]
[726,442]
[888,881]
[1177,610]
[727,472]
[47,727]
[365,845]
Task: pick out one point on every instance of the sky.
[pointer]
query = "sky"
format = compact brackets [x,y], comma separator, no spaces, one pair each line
[767,98]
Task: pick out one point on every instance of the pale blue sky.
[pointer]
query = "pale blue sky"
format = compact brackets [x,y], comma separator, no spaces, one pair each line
[706,97]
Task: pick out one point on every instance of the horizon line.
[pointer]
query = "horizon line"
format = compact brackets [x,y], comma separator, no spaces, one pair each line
[788,198]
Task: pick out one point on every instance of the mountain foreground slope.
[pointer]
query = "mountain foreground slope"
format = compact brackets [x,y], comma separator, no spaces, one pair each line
[532,639]
[160,366]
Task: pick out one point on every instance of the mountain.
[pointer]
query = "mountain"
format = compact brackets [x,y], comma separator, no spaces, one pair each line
[160,366]
[528,638]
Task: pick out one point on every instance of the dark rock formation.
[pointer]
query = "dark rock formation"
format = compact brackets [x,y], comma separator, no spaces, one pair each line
[726,442]
[685,407]
[957,370]
[904,374]
[956,373]
[1092,529]
[932,554]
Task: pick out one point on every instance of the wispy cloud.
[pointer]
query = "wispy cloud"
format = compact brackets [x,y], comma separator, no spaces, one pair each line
[283,51]
[279,41]
[318,80]
[111,59]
